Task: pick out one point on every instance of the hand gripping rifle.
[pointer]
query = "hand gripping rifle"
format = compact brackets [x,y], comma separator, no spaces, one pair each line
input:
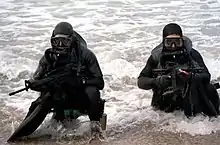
[174,90]
[53,77]
[174,72]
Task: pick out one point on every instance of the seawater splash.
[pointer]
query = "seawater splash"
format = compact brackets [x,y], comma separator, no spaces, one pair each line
[121,33]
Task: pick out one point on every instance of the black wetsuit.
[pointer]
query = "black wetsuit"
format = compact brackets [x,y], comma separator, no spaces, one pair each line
[83,97]
[147,81]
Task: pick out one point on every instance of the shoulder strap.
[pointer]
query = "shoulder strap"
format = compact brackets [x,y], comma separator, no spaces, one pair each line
[79,52]
[48,56]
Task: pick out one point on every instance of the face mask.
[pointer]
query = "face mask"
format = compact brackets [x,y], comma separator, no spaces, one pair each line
[173,43]
[61,42]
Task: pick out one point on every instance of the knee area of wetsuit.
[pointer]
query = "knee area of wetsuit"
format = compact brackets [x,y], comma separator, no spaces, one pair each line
[212,90]
[91,90]
[211,87]
[93,94]
[96,111]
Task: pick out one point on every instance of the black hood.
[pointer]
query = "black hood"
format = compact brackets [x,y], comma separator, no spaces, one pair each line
[66,28]
[79,38]
[172,28]
[63,28]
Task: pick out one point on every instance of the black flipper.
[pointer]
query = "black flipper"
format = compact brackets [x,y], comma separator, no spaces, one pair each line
[30,124]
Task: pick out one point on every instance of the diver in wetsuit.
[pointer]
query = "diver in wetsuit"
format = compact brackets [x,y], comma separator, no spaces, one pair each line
[195,93]
[82,90]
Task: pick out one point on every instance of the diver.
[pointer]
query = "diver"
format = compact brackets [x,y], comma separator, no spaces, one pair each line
[82,90]
[183,82]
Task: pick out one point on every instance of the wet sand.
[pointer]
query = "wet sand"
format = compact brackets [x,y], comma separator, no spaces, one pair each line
[141,134]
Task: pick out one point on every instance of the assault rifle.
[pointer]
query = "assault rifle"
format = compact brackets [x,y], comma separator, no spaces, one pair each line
[51,78]
[174,73]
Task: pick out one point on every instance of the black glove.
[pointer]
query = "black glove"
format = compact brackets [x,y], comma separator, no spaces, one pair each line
[197,77]
[163,81]
[38,85]
[31,84]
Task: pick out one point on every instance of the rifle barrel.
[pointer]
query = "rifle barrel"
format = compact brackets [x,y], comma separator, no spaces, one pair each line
[160,70]
[186,69]
[15,92]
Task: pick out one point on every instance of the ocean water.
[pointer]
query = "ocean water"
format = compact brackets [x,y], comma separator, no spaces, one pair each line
[122,34]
